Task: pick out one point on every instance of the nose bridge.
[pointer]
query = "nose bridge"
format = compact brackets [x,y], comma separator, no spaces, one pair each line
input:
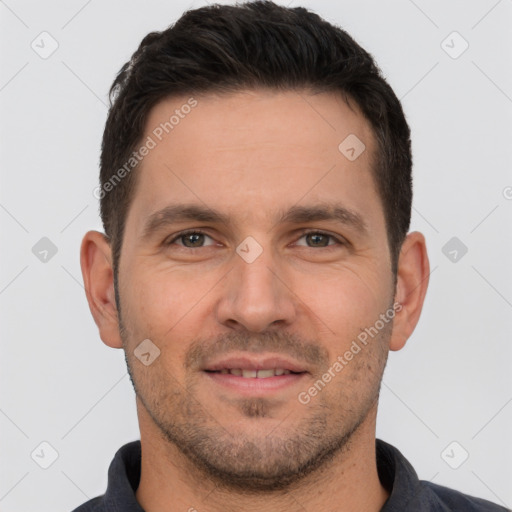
[256,279]
[255,296]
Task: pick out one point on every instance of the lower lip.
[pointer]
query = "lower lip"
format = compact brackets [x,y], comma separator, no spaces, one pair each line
[252,385]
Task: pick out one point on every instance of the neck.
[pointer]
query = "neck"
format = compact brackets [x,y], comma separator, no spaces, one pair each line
[349,482]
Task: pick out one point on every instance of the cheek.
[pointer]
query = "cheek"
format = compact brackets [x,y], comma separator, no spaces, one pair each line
[163,307]
[346,301]
[164,303]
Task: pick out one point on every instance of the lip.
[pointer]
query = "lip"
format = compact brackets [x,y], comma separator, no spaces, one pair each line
[256,362]
[254,386]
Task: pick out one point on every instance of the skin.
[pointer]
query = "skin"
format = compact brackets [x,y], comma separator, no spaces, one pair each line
[251,155]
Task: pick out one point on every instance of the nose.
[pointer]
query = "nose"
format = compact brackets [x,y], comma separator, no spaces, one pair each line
[256,296]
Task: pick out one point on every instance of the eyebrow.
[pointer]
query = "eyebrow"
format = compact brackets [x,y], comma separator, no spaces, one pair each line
[175,213]
[333,212]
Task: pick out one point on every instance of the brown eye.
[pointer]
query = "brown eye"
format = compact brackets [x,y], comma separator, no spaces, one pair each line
[191,240]
[319,239]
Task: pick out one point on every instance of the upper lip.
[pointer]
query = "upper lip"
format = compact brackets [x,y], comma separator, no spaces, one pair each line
[256,362]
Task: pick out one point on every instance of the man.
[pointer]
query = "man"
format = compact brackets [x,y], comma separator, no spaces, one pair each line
[257,268]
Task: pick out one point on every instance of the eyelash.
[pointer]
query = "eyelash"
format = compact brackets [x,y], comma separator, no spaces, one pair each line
[303,233]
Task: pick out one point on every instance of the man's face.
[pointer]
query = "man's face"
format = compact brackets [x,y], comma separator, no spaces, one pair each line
[253,291]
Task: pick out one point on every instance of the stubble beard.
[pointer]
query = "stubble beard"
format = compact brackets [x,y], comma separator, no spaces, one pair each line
[258,462]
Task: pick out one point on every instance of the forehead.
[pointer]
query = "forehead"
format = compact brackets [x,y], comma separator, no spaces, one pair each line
[255,151]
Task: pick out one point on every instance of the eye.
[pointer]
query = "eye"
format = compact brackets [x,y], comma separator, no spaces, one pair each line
[195,239]
[191,239]
[319,239]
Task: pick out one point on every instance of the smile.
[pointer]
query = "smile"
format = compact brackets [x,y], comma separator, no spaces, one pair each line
[255,374]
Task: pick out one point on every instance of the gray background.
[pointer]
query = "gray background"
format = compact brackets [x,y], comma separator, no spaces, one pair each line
[60,384]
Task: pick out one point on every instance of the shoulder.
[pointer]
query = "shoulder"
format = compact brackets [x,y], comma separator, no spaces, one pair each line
[94,505]
[123,480]
[448,499]
[409,493]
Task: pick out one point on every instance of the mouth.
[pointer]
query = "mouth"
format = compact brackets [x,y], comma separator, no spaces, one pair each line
[264,373]
[255,376]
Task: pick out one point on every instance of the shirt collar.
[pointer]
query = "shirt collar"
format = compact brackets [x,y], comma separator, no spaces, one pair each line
[400,479]
[123,479]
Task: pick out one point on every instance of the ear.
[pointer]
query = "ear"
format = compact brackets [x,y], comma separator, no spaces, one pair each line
[98,275]
[412,283]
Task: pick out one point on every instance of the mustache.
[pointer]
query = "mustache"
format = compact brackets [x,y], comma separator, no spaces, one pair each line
[203,350]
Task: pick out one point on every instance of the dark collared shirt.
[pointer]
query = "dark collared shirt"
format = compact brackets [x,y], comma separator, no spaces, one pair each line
[407,492]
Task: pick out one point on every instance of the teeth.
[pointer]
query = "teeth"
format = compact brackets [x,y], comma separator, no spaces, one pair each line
[263,374]
[251,374]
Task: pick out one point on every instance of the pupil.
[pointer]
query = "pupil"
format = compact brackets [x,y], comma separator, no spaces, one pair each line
[316,238]
[193,238]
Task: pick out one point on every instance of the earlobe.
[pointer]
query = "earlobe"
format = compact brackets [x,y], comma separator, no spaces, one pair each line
[97,272]
[411,288]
